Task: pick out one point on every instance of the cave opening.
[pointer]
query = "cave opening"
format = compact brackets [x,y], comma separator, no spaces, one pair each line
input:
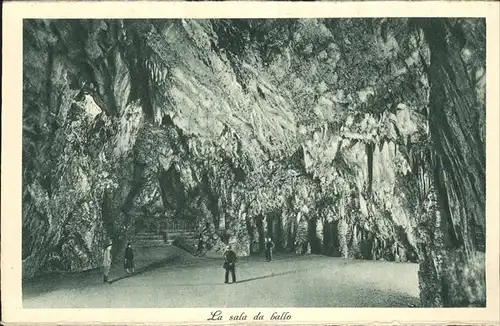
[331,240]
[314,236]
[172,189]
[259,221]
[275,229]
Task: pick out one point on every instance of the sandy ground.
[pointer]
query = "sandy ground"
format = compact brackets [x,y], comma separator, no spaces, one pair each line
[166,277]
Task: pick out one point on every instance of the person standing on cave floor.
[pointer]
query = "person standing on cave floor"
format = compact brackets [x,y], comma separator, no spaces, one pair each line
[199,250]
[129,259]
[269,249]
[229,264]
[106,264]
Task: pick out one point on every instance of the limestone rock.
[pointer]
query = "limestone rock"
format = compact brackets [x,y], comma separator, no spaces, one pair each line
[325,135]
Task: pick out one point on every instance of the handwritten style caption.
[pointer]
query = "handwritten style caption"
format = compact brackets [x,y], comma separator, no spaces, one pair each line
[217,315]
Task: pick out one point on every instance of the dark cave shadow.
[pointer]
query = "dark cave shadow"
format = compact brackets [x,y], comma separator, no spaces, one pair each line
[50,282]
[59,281]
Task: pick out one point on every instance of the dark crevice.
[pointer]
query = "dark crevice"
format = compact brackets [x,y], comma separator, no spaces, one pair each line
[370,147]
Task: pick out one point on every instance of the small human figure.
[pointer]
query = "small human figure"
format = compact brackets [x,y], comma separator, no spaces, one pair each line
[269,249]
[199,250]
[129,259]
[229,264]
[106,261]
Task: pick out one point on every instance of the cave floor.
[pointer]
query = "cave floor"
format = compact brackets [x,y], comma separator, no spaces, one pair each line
[167,277]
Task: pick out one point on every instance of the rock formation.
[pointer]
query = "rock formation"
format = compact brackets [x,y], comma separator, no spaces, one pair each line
[360,138]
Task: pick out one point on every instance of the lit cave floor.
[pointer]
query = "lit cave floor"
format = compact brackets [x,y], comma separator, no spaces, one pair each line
[167,277]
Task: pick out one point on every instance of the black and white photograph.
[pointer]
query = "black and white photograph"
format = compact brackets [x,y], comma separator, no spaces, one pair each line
[254,162]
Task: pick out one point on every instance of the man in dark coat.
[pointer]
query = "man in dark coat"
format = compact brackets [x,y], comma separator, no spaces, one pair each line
[129,259]
[269,249]
[229,264]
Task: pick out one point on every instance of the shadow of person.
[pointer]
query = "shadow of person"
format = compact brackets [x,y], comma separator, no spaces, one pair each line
[268,276]
[145,269]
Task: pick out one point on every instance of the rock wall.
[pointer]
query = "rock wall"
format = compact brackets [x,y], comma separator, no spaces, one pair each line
[455,260]
[324,134]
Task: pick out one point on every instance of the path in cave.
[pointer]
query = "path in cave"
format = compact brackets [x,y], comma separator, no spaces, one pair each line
[167,277]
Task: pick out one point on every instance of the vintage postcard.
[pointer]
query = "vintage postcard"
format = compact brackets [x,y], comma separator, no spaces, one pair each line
[237,163]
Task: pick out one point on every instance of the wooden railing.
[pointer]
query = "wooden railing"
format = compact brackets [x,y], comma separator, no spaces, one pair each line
[179,225]
[158,226]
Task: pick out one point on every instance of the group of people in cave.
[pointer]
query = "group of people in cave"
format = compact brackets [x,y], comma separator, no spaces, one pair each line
[229,264]
[128,264]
